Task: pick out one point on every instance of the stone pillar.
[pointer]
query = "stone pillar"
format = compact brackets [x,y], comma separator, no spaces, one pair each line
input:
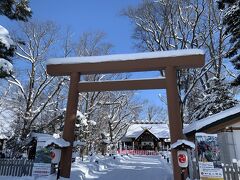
[69,125]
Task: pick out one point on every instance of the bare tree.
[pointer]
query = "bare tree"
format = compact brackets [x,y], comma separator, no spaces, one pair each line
[33,92]
[91,44]
[154,112]
[118,111]
[110,110]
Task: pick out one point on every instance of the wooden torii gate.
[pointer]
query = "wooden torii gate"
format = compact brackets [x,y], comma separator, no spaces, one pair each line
[170,61]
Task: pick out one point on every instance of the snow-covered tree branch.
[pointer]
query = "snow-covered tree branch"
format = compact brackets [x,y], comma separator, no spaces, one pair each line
[166,25]
[33,94]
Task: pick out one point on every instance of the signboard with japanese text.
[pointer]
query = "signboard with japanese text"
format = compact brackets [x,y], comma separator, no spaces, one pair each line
[41,169]
[42,162]
[208,155]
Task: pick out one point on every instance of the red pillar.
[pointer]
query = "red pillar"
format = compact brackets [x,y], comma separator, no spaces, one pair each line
[69,125]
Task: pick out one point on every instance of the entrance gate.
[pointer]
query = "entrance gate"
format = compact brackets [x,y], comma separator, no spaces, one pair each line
[169,61]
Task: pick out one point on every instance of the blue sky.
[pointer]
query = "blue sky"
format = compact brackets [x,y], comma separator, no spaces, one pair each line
[95,15]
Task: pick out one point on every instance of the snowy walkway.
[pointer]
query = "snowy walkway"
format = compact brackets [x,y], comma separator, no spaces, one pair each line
[138,168]
[120,168]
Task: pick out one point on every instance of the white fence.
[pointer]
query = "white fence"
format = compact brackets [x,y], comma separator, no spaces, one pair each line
[231,171]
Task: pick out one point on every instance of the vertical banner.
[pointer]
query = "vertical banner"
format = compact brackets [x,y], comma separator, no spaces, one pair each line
[208,155]
[42,162]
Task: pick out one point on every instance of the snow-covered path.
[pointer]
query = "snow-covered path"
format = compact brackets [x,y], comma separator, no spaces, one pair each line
[137,168]
[118,168]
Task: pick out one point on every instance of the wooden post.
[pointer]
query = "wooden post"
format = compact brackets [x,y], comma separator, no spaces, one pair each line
[69,125]
[175,121]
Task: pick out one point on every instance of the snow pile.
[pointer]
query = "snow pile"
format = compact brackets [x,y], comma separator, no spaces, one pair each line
[114,167]
[158,130]
[181,142]
[5,37]
[126,57]
[197,125]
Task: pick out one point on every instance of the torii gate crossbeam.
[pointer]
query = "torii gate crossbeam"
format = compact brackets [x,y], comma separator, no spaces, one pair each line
[170,61]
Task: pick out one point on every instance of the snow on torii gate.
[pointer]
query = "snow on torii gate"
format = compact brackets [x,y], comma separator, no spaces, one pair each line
[170,61]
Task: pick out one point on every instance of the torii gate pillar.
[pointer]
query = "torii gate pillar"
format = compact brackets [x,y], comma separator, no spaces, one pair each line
[69,125]
[174,116]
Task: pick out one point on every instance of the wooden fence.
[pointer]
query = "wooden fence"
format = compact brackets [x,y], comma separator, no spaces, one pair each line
[231,171]
[16,167]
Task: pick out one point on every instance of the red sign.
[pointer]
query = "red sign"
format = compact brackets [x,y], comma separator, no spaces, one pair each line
[182,158]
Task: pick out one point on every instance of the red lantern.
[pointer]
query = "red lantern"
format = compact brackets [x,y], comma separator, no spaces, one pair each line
[182,159]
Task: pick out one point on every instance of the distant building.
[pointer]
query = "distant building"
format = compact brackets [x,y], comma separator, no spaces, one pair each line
[146,136]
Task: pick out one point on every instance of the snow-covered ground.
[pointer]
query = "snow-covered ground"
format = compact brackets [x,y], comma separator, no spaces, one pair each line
[108,168]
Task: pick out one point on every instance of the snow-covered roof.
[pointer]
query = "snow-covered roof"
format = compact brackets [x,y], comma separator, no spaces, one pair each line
[125,57]
[41,136]
[197,125]
[182,142]
[50,139]
[158,130]
[59,142]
